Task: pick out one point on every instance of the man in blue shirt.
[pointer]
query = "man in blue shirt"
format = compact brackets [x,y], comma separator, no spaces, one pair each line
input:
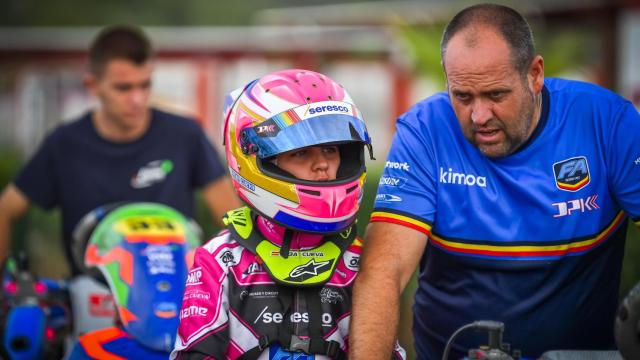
[124,150]
[511,192]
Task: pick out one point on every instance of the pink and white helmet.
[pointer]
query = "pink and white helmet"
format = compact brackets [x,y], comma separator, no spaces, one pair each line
[288,110]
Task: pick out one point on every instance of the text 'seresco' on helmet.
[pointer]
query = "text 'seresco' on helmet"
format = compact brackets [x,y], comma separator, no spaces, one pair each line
[289,110]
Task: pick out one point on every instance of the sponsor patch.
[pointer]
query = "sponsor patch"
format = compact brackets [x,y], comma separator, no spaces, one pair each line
[242,181]
[571,174]
[166,310]
[312,268]
[196,294]
[392,181]
[330,296]
[388,198]
[267,128]
[451,177]
[328,108]
[253,268]
[297,253]
[397,165]
[258,294]
[226,258]
[581,205]
[151,173]
[195,276]
[163,286]
[160,259]
[193,311]
[351,260]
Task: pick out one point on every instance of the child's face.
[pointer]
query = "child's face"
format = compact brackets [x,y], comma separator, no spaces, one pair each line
[315,163]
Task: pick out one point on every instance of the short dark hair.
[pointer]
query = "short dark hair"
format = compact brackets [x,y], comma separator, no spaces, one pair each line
[509,24]
[119,42]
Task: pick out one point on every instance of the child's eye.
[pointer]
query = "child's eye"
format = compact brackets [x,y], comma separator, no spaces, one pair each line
[299,153]
[330,149]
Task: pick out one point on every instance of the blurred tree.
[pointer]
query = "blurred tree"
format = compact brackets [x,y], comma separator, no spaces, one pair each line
[140,12]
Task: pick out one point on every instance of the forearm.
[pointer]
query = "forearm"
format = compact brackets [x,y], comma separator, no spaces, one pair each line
[5,236]
[390,255]
[375,315]
[13,205]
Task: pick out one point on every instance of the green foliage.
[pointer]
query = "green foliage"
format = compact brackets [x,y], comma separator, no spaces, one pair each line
[139,12]
[203,218]
[424,44]
[630,266]
[370,189]
[566,50]
[10,161]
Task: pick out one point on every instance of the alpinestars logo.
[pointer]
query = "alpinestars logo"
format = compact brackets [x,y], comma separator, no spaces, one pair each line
[154,172]
[452,177]
[308,270]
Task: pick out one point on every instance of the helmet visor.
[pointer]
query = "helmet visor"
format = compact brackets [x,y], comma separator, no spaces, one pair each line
[305,126]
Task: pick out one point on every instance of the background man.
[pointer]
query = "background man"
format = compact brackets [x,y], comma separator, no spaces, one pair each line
[523,186]
[122,151]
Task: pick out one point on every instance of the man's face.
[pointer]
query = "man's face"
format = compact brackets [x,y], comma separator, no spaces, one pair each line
[123,89]
[494,104]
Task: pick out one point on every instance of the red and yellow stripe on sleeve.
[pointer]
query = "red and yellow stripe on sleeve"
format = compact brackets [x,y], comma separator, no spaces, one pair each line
[383,216]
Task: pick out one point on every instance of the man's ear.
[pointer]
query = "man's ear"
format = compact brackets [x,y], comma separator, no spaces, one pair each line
[91,83]
[536,74]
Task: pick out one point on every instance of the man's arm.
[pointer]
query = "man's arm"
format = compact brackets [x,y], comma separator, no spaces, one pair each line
[13,205]
[390,255]
[220,198]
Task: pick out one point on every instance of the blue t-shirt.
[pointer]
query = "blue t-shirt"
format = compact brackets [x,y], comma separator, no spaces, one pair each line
[78,170]
[534,239]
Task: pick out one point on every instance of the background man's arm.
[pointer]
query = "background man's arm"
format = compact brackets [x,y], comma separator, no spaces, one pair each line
[13,205]
[220,198]
[391,253]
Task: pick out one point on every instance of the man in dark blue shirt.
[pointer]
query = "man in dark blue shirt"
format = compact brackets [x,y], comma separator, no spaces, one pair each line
[122,151]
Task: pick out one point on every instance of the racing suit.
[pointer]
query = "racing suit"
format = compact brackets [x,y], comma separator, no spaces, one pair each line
[234,309]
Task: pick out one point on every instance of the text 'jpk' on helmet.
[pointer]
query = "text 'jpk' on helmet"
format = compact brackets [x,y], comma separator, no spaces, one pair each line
[289,110]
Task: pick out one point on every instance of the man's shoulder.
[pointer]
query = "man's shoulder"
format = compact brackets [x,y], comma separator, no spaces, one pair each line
[430,111]
[174,121]
[80,126]
[437,101]
[575,89]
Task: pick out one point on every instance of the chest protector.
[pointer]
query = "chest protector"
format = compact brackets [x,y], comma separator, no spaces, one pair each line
[300,277]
